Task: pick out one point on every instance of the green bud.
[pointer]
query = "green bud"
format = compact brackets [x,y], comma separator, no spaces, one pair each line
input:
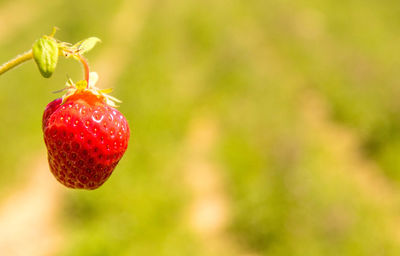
[45,54]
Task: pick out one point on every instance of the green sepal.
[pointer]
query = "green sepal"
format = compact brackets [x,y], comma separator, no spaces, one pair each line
[45,54]
[86,45]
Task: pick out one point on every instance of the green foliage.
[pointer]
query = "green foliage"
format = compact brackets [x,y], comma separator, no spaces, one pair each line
[304,98]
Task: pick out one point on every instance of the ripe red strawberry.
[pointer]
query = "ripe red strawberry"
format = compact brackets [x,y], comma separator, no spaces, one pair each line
[85,138]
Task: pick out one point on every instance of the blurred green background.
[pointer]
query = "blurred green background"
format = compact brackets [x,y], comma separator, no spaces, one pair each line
[258,128]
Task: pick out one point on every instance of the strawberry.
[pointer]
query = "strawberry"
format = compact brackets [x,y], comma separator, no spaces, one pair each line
[85,137]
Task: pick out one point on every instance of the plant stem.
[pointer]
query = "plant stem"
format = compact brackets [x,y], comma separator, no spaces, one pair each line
[16,61]
[85,67]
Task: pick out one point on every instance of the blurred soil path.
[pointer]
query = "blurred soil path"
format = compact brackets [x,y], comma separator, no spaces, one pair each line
[28,224]
[345,148]
[208,213]
[342,143]
[28,217]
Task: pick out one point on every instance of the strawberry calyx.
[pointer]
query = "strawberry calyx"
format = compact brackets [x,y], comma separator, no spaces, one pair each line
[81,87]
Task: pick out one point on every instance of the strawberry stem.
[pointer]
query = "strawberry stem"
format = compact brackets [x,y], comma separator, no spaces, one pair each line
[16,61]
[45,52]
[85,67]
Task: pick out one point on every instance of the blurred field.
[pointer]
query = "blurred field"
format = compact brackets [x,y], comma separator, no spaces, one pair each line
[258,128]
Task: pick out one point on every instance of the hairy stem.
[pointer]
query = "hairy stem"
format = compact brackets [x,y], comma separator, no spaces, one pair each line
[16,61]
[85,67]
